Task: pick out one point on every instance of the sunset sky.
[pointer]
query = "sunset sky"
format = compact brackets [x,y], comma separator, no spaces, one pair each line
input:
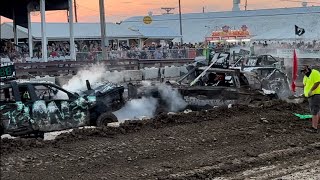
[117,10]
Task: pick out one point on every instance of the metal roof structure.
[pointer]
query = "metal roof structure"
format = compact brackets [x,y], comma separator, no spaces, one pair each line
[18,9]
[60,31]
[155,32]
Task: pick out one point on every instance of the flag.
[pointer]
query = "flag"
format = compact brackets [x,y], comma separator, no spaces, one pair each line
[294,71]
[299,31]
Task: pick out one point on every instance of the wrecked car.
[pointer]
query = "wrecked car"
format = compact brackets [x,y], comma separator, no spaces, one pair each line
[107,93]
[33,108]
[265,72]
[213,83]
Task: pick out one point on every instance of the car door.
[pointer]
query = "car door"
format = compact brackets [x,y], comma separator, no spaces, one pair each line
[62,109]
[15,114]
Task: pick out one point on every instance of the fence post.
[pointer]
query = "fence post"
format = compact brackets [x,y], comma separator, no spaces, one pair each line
[234,56]
[138,64]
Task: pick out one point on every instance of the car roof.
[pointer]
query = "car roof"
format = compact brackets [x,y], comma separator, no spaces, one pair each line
[25,82]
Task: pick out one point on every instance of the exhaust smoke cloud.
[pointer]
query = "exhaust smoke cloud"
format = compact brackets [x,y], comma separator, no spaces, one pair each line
[147,106]
[137,109]
[96,75]
[78,82]
[172,97]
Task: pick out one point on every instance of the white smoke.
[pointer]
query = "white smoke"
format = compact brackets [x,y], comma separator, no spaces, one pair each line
[137,109]
[114,77]
[146,83]
[94,74]
[172,98]
[147,106]
[134,109]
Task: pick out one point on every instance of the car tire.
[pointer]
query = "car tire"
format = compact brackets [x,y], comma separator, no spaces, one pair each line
[106,118]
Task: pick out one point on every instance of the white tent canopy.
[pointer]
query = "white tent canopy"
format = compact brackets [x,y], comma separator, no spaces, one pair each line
[59,31]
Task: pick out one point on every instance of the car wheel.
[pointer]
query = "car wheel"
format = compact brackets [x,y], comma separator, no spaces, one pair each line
[106,118]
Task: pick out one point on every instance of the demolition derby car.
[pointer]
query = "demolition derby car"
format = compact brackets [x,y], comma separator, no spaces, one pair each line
[33,108]
[218,83]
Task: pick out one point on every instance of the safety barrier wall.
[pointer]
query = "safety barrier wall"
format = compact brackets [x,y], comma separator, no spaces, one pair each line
[56,68]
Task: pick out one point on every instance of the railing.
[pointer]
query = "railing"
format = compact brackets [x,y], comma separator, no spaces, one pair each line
[142,54]
[95,56]
[48,68]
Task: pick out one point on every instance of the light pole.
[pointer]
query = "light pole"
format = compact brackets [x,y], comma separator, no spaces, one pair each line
[180,19]
[103,29]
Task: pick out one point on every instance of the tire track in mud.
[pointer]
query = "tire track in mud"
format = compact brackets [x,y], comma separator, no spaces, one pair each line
[264,173]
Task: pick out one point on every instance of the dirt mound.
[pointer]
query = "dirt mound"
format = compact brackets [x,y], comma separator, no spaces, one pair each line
[20,144]
[83,134]
[162,120]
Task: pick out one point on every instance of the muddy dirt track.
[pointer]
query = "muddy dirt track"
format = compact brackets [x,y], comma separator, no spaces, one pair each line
[265,142]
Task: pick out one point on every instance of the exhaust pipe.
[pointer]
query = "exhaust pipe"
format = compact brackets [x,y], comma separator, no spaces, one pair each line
[88,85]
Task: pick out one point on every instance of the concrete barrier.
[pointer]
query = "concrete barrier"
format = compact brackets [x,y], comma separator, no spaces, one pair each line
[129,75]
[45,78]
[132,75]
[115,76]
[150,73]
[171,72]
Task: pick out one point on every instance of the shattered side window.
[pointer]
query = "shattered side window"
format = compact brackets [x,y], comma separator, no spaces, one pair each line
[50,93]
[24,94]
[6,95]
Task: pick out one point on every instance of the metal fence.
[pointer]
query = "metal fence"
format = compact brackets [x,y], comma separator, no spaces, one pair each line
[142,54]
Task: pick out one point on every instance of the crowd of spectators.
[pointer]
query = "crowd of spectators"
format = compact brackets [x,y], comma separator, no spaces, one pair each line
[91,50]
[11,52]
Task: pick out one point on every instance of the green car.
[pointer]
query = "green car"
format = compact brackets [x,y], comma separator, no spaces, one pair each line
[33,108]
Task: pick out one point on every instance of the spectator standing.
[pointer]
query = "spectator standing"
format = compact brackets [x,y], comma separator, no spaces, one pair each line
[311,82]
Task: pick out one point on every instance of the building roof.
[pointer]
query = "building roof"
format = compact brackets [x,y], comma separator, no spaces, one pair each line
[20,8]
[196,26]
[155,32]
[56,31]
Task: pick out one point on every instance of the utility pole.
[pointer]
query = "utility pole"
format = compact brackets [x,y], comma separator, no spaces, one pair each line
[103,29]
[75,11]
[181,40]
[0,28]
[68,15]
[246,5]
